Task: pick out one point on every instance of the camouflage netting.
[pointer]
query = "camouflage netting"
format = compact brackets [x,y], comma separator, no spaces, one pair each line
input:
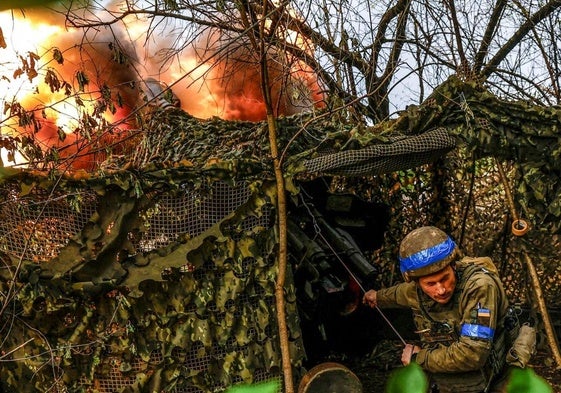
[157,272]
[193,313]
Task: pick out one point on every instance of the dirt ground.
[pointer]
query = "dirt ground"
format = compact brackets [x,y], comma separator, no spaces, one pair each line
[545,367]
[374,370]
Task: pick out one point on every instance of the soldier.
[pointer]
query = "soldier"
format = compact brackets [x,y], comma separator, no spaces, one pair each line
[459,307]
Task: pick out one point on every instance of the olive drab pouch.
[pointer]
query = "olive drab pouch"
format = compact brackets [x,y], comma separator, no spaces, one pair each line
[438,333]
[466,382]
[523,348]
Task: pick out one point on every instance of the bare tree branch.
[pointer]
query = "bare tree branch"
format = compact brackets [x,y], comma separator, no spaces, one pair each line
[522,31]
[488,36]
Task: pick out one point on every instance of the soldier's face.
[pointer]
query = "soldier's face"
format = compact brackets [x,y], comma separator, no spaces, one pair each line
[440,285]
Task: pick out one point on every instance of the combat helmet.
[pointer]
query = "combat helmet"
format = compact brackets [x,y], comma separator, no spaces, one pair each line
[424,251]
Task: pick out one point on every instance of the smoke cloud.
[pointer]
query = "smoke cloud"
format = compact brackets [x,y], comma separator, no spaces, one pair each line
[212,75]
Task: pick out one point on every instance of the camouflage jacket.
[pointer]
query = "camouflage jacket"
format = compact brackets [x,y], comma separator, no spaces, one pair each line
[457,336]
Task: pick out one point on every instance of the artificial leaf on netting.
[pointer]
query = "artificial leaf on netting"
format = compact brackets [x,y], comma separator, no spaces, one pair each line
[263,387]
[410,379]
[526,381]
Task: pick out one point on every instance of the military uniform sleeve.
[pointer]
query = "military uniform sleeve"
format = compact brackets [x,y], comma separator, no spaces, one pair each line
[400,295]
[479,306]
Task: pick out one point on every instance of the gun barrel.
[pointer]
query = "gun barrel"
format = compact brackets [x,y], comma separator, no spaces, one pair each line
[344,244]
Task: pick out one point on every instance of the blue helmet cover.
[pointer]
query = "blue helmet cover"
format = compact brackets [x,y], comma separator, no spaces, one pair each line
[427,256]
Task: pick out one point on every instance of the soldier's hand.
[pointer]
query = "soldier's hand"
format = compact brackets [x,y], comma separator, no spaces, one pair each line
[408,352]
[370,299]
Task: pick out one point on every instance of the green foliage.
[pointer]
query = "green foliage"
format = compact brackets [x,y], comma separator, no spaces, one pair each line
[16,4]
[526,381]
[410,379]
[6,172]
[265,387]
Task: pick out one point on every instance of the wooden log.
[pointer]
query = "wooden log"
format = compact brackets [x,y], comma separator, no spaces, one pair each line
[330,377]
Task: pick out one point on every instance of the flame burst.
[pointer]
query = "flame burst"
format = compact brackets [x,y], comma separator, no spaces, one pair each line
[72,92]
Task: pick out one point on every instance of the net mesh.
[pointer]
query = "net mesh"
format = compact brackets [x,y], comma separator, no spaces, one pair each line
[460,192]
[190,211]
[36,226]
[174,290]
[213,316]
[399,154]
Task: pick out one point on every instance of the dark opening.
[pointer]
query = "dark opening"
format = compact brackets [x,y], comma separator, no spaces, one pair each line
[330,236]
